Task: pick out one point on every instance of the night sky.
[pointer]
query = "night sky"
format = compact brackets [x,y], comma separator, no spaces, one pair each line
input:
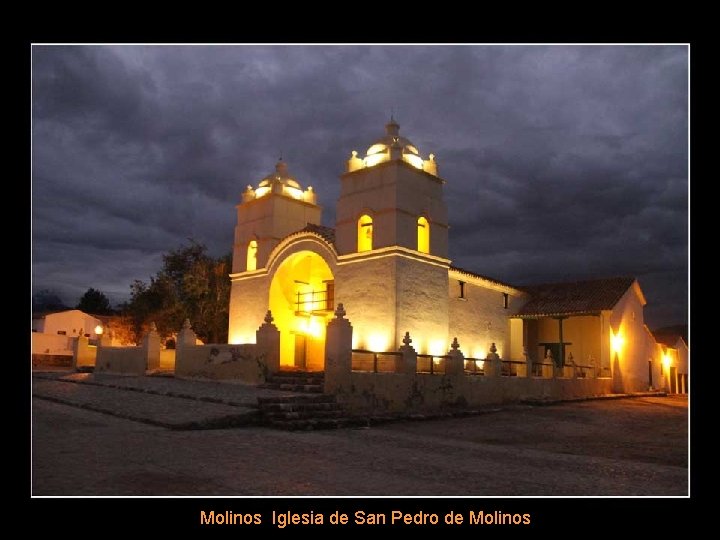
[562,162]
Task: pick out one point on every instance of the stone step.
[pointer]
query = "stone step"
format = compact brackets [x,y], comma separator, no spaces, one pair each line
[297,398]
[299,373]
[325,406]
[318,424]
[302,415]
[295,380]
[309,388]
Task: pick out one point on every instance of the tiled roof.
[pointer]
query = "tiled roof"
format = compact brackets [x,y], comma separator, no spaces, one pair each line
[574,298]
[480,276]
[328,233]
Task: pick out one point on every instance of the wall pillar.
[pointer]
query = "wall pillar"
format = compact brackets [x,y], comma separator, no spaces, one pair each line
[267,338]
[338,352]
[492,366]
[528,363]
[186,338]
[407,363]
[151,348]
[455,365]
[82,354]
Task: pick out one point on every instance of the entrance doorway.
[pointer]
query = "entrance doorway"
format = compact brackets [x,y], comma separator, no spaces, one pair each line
[302,301]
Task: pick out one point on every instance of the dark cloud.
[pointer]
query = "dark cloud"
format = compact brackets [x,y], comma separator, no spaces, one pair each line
[561,162]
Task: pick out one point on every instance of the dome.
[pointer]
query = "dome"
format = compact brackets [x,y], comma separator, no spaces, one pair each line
[392,138]
[392,147]
[280,175]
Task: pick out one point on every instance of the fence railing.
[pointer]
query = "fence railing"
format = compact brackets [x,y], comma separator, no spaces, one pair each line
[582,371]
[508,367]
[375,362]
[538,367]
[387,362]
[432,364]
[471,366]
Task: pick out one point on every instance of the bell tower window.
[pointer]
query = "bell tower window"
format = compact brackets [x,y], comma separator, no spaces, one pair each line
[365,233]
[423,235]
[252,256]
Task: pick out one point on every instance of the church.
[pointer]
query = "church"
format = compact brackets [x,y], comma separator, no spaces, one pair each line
[386,260]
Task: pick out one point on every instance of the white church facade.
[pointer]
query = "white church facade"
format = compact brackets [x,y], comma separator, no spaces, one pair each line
[387,261]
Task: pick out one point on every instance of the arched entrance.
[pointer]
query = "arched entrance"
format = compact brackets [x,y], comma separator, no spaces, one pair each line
[302,300]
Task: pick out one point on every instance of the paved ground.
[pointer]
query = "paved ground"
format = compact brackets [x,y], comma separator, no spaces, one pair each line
[620,447]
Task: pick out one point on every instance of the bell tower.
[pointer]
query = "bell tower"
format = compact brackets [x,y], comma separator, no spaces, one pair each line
[392,197]
[391,237]
[267,214]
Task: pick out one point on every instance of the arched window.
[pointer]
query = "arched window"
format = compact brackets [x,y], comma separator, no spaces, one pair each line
[252,256]
[365,233]
[423,235]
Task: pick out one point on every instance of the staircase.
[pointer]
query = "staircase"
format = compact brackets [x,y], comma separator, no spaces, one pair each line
[308,409]
[297,381]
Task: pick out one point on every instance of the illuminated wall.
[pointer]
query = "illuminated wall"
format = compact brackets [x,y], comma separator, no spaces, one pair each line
[480,318]
[422,305]
[366,287]
[396,195]
[625,334]
[267,220]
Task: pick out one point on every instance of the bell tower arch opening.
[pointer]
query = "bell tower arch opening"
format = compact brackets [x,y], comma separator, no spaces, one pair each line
[302,300]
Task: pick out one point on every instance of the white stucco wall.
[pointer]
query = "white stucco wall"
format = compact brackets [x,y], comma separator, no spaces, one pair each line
[395,195]
[268,220]
[481,319]
[366,287]
[72,322]
[626,319]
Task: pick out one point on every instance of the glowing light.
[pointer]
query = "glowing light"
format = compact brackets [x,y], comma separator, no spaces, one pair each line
[436,347]
[376,148]
[617,341]
[259,192]
[239,339]
[365,233]
[479,352]
[310,327]
[423,235]
[99,330]
[377,342]
[415,161]
[375,159]
[293,192]
[666,360]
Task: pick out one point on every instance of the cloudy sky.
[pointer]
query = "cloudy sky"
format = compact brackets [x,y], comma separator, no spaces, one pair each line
[562,162]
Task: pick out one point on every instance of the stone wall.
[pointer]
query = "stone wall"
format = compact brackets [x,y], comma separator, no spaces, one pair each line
[395,392]
[405,390]
[240,362]
[51,344]
[248,362]
[129,360]
[125,360]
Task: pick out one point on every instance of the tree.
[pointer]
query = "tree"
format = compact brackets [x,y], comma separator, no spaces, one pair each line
[191,285]
[47,300]
[95,302]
